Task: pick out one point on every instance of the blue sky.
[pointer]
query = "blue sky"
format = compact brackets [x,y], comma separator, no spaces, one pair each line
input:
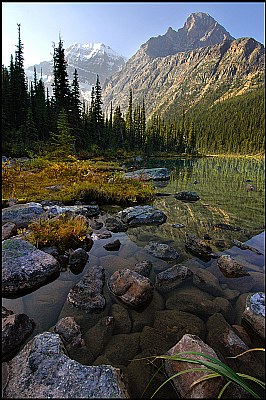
[122,26]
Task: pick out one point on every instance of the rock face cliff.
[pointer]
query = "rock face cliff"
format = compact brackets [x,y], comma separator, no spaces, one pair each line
[201,62]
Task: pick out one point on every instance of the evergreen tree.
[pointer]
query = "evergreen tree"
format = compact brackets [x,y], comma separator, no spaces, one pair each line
[75,110]
[61,87]
[129,122]
[63,141]
[98,113]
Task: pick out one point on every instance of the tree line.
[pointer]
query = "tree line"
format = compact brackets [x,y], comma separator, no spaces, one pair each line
[35,122]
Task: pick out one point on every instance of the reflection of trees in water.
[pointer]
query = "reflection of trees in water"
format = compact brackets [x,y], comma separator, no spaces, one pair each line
[221,185]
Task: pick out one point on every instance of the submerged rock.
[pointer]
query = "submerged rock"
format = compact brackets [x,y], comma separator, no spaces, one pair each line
[130,287]
[230,268]
[187,196]
[173,277]
[24,267]
[43,370]
[87,293]
[143,267]
[162,250]
[113,246]
[139,215]
[199,247]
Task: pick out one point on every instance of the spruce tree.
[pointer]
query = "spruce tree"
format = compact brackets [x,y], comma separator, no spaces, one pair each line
[98,113]
[61,87]
[63,141]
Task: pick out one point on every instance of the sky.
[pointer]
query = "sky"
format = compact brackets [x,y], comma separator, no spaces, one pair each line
[123,26]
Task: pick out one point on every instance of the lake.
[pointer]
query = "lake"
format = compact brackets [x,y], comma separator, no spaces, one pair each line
[224,188]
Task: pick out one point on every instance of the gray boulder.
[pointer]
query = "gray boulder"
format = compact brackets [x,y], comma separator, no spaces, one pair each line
[130,287]
[77,260]
[143,267]
[24,267]
[148,174]
[87,293]
[69,331]
[141,215]
[22,214]
[162,250]
[43,370]
[15,330]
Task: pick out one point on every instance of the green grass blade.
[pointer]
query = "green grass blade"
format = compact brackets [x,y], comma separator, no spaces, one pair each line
[223,389]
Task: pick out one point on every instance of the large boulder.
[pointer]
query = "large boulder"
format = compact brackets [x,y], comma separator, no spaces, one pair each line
[22,214]
[24,267]
[141,215]
[204,390]
[43,370]
[147,174]
[9,229]
[162,250]
[87,293]
[15,330]
[130,287]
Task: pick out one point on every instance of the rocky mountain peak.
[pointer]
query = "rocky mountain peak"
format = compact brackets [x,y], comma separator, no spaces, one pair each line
[200,30]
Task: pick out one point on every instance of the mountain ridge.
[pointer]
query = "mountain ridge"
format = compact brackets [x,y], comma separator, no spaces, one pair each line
[224,68]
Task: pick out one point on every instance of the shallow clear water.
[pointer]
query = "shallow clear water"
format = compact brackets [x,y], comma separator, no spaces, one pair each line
[222,187]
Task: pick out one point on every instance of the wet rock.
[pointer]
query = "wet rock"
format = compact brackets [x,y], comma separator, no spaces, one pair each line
[173,277]
[9,229]
[122,321]
[178,225]
[227,227]
[15,330]
[122,348]
[244,246]
[24,267]
[162,250]
[113,246]
[99,335]
[195,301]
[102,235]
[187,196]
[87,293]
[203,390]
[143,268]
[69,331]
[223,338]
[242,333]
[22,214]
[96,224]
[169,327]
[147,174]
[139,215]
[254,313]
[77,260]
[130,287]
[198,247]
[230,268]
[43,370]
[86,210]
[206,281]
[146,316]
[115,225]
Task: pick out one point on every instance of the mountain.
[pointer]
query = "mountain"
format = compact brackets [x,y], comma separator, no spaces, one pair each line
[200,63]
[89,59]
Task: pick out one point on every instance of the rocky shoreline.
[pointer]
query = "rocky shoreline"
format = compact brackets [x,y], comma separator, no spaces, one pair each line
[141,304]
